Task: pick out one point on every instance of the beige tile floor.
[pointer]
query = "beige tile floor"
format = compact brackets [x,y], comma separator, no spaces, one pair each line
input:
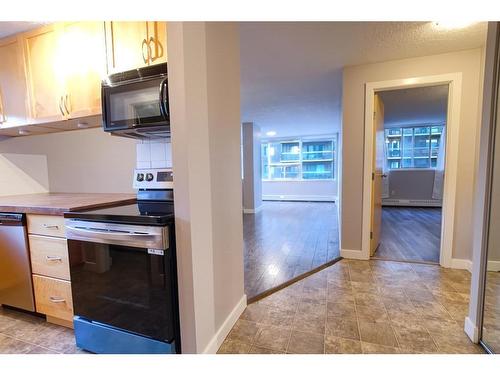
[360,307]
[22,333]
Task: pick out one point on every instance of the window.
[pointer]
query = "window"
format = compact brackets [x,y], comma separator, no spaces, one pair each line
[299,159]
[413,147]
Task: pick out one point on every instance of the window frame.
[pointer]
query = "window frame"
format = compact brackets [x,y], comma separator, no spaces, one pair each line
[300,140]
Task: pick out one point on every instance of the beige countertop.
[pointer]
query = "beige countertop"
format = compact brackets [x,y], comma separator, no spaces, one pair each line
[58,203]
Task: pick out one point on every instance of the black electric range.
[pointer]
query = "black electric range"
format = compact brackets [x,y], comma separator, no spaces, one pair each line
[124,272]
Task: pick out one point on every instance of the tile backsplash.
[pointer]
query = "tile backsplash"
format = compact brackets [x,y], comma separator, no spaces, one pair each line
[154,154]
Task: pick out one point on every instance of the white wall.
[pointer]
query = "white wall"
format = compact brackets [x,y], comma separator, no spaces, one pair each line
[23,174]
[81,161]
[469,63]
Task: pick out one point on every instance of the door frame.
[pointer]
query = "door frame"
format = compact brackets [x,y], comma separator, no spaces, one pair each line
[454,82]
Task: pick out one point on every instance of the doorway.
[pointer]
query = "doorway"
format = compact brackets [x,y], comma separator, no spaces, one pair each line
[410,146]
[290,214]
[374,157]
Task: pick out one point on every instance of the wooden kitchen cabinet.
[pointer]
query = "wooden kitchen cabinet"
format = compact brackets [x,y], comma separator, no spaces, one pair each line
[53,298]
[132,45]
[44,73]
[12,83]
[81,46]
[50,268]
[65,63]
[49,256]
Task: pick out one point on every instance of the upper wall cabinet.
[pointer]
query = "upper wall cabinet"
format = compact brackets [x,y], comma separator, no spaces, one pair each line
[133,45]
[12,83]
[65,64]
[81,59]
[44,78]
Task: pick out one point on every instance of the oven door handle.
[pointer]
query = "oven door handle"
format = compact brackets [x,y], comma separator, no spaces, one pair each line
[109,233]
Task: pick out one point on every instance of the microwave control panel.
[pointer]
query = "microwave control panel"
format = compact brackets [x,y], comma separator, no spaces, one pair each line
[153,178]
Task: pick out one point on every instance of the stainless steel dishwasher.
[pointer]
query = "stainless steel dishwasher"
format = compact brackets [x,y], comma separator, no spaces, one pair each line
[16,287]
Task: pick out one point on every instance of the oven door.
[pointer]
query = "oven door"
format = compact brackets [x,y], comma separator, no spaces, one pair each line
[136,104]
[122,276]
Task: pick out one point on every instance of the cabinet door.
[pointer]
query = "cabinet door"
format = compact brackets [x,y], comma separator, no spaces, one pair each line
[12,83]
[45,74]
[127,45]
[81,46]
[157,39]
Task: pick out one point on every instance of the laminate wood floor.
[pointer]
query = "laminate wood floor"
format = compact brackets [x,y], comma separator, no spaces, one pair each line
[287,239]
[410,234]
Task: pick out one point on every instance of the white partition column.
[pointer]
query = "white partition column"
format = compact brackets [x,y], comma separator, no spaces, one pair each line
[204,94]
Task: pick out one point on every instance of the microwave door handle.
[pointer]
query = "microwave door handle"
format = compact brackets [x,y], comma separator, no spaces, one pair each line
[163,102]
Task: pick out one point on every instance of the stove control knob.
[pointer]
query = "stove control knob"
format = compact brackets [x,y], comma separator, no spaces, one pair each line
[149,177]
[140,177]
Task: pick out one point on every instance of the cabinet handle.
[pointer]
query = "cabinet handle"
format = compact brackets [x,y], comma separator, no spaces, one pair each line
[60,105]
[51,258]
[65,102]
[57,299]
[145,58]
[158,49]
[50,226]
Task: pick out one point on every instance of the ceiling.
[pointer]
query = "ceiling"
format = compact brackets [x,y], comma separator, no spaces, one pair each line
[11,28]
[415,106]
[291,72]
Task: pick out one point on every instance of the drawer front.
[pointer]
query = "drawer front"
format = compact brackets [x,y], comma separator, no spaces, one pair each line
[46,225]
[53,297]
[49,256]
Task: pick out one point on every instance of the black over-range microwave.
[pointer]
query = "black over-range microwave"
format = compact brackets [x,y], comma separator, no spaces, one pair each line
[135,103]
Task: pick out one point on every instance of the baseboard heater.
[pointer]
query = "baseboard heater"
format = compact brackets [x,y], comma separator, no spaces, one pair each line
[300,198]
[412,202]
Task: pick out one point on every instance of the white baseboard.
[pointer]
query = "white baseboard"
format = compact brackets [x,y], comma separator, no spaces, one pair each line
[225,328]
[494,265]
[252,210]
[299,198]
[471,330]
[461,264]
[352,254]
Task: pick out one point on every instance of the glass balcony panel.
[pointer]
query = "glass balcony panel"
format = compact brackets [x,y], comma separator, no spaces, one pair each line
[423,130]
[421,152]
[317,170]
[317,150]
[421,163]
[394,164]
[406,163]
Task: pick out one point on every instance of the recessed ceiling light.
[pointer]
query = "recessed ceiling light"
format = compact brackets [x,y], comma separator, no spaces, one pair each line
[271,133]
[452,24]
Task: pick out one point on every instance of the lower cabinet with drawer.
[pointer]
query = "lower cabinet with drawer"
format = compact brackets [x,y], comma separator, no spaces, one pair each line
[53,298]
[50,268]
[49,256]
